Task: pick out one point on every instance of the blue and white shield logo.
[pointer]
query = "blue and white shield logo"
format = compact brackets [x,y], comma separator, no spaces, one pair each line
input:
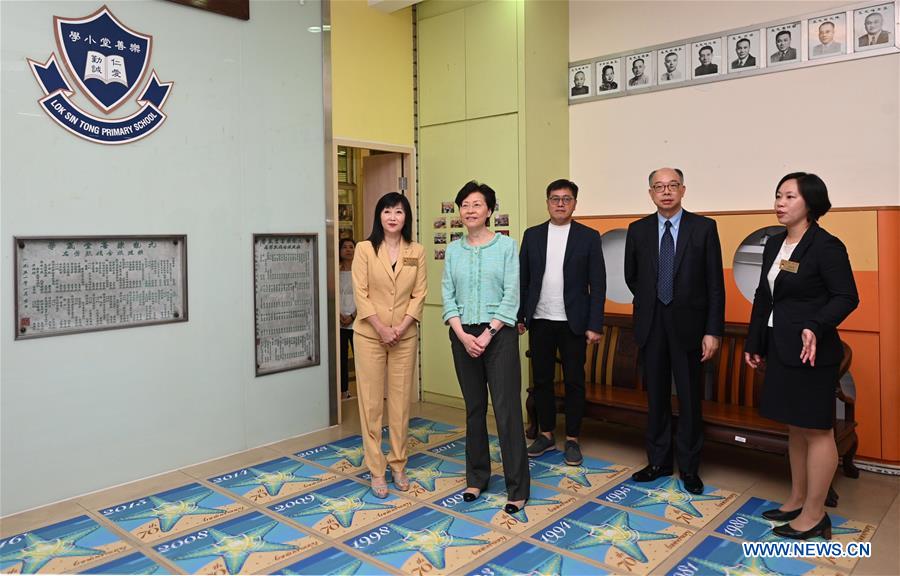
[106,59]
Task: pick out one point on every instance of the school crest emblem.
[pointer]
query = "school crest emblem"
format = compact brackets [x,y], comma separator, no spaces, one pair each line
[107,63]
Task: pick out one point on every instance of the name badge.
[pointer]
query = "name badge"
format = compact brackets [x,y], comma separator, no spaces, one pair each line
[789,266]
[410,261]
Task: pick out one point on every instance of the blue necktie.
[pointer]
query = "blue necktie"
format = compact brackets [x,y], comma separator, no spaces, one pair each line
[665,284]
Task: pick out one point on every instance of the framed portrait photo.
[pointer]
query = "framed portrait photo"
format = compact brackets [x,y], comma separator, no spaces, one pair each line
[873,27]
[743,50]
[706,58]
[580,81]
[783,43]
[827,36]
[639,69]
[609,76]
[672,65]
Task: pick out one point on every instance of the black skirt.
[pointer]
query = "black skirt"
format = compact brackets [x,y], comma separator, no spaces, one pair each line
[800,396]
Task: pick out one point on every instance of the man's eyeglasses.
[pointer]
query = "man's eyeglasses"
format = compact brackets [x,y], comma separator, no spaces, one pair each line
[565,200]
[672,186]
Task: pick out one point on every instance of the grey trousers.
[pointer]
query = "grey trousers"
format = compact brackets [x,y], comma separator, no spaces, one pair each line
[497,370]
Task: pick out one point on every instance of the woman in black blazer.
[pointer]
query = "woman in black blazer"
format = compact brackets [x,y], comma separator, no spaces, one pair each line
[806,289]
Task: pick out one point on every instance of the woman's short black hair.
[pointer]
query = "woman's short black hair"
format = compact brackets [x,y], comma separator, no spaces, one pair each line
[490,197]
[390,200]
[813,191]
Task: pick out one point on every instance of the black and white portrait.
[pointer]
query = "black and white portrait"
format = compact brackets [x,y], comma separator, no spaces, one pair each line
[672,64]
[580,81]
[743,48]
[608,76]
[873,27]
[827,36]
[783,41]
[639,68]
[706,57]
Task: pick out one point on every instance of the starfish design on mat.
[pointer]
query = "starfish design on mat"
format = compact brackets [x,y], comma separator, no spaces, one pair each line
[424,431]
[616,532]
[577,474]
[169,512]
[38,552]
[551,566]
[427,474]
[431,542]
[343,508]
[747,567]
[671,494]
[354,454]
[273,482]
[235,550]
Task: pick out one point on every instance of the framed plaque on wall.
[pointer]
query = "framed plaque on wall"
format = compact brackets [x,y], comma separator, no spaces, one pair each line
[286,301]
[73,284]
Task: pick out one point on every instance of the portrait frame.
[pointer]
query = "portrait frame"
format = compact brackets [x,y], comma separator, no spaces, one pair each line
[649,71]
[837,47]
[773,53]
[599,67]
[680,73]
[584,90]
[753,59]
[715,44]
[888,26]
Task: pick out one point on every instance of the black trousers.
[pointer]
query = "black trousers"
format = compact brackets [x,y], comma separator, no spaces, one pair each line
[664,359]
[499,371]
[346,345]
[544,339]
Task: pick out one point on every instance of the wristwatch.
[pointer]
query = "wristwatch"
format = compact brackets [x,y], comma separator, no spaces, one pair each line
[492,331]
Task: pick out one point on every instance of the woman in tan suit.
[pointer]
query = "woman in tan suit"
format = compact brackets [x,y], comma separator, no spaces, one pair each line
[389,286]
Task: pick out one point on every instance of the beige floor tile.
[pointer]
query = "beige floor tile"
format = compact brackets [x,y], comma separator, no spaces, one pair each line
[885,557]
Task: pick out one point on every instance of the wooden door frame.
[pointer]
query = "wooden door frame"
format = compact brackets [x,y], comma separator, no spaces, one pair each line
[409,170]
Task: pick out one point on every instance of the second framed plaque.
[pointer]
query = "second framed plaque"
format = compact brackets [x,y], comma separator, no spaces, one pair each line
[286,301]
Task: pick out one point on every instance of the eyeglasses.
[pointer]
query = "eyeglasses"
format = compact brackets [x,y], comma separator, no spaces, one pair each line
[672,186]
[565,200]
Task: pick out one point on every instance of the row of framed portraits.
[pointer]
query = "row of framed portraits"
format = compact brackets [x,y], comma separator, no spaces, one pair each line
[860,30]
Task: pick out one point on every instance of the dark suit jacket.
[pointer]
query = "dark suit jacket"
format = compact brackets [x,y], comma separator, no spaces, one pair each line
[576,91]
[699,303]
[882,38]
[584,276]
[819,296]
[704,69]
[789,54]
[750,62]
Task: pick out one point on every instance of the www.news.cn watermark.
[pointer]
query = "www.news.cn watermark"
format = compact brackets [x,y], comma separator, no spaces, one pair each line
[807,549]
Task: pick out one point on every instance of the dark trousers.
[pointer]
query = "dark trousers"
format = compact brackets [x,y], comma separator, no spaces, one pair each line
[545,338]
[346,345]
[665,358]
[497,370]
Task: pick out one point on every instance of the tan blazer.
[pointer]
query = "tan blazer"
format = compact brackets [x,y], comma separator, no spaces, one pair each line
[389,293]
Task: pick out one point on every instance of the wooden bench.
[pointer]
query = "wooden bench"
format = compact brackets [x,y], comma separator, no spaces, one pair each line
[731,391]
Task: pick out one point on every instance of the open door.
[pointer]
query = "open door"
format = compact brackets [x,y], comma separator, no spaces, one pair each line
[382,173]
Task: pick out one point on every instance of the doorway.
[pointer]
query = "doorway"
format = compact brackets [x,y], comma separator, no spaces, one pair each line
[365,171]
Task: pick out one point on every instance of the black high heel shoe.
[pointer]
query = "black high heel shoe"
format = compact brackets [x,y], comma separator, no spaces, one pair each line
[823,529]
[777,515]
[512,509]
[470,497]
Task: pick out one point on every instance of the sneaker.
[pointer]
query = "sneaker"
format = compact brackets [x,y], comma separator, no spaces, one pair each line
[541,445]
[573,453]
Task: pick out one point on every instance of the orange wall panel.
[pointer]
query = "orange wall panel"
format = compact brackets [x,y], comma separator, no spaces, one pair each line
[889,293]
[865,370]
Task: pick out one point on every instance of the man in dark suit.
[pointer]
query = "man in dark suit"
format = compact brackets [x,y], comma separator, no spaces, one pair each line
[673,266]
[784,53]
[579,89]
[706,66]
[744,58]
[563,290]
[874,33]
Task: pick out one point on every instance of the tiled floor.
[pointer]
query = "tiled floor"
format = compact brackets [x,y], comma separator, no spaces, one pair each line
[302,506]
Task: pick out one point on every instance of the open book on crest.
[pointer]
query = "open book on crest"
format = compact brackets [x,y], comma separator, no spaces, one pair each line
[105,68]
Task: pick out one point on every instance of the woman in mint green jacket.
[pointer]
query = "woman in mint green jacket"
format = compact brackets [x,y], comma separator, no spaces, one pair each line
[481,299]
